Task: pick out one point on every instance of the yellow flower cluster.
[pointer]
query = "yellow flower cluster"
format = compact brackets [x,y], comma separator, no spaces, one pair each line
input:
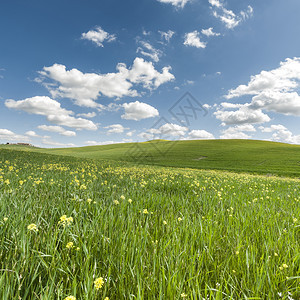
[64,220]
[99,283]
[70,245]
[70,298]
[32,227]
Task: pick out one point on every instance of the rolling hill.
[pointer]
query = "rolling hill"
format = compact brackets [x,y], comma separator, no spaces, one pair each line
[232,155]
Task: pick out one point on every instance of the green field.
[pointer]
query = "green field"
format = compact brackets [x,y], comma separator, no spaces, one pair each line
[248,156]
[149,232]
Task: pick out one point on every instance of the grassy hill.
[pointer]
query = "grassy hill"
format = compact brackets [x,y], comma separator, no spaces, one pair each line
[232,155]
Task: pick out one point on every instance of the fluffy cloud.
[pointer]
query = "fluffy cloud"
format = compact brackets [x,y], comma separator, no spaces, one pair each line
[85,88]
[228,17]
[274,90]
[57,129]
[31,133]
[87,115]
[284,79]
[45,106]
[200,135]
[48,141]
[167,35]
[130,133]
[98,36]
[209,32]
[148,50]
[272,128]
[177,3]
[281,134]
[164,132]
[115,128]
[238,132]
[244,115]
[94,143]
[193,39]
[9,136]
[138,111]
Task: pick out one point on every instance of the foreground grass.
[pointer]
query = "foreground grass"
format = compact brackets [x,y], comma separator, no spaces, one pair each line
[150,233]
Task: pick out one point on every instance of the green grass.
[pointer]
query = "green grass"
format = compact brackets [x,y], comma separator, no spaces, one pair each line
[203,234]
[250,156]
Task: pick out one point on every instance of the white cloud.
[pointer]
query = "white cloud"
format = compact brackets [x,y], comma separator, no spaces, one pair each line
[281,134]
[85,88]
[138,111]
[200,135]
[228,17]
[45,106]
[170,129]
[57,129]
[98,36]
[215,3]
[31,133]
[238,132]
[164,132]
[189,82]
[127,140]
[244,115]
[275,90]
[94,143]
[148,50]
[130,133]
[207,106]
[48,141]
[177,3]
[283,79]
[167,35]
[272,128]
[209,32]
[146,32]
[193,39]
[87,115]
[115,128]
[9,136]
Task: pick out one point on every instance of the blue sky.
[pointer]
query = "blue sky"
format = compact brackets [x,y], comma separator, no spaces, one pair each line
[75,73]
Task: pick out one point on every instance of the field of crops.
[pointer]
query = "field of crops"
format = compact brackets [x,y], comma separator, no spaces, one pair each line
[81,229]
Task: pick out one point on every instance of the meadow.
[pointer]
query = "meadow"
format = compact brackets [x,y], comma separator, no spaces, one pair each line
[75,228]
[251,156]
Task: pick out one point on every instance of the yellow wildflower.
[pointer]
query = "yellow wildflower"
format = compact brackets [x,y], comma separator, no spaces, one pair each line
[179,219]
[89,200]
[5,219]
[64,220]
[145,211]
[165,222]
[116,202]
[129,200]
[122,197]
[32,227]
[70,245]
[99,283]
[70,298]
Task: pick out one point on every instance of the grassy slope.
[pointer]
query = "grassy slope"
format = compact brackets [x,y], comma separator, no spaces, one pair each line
[234,155]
